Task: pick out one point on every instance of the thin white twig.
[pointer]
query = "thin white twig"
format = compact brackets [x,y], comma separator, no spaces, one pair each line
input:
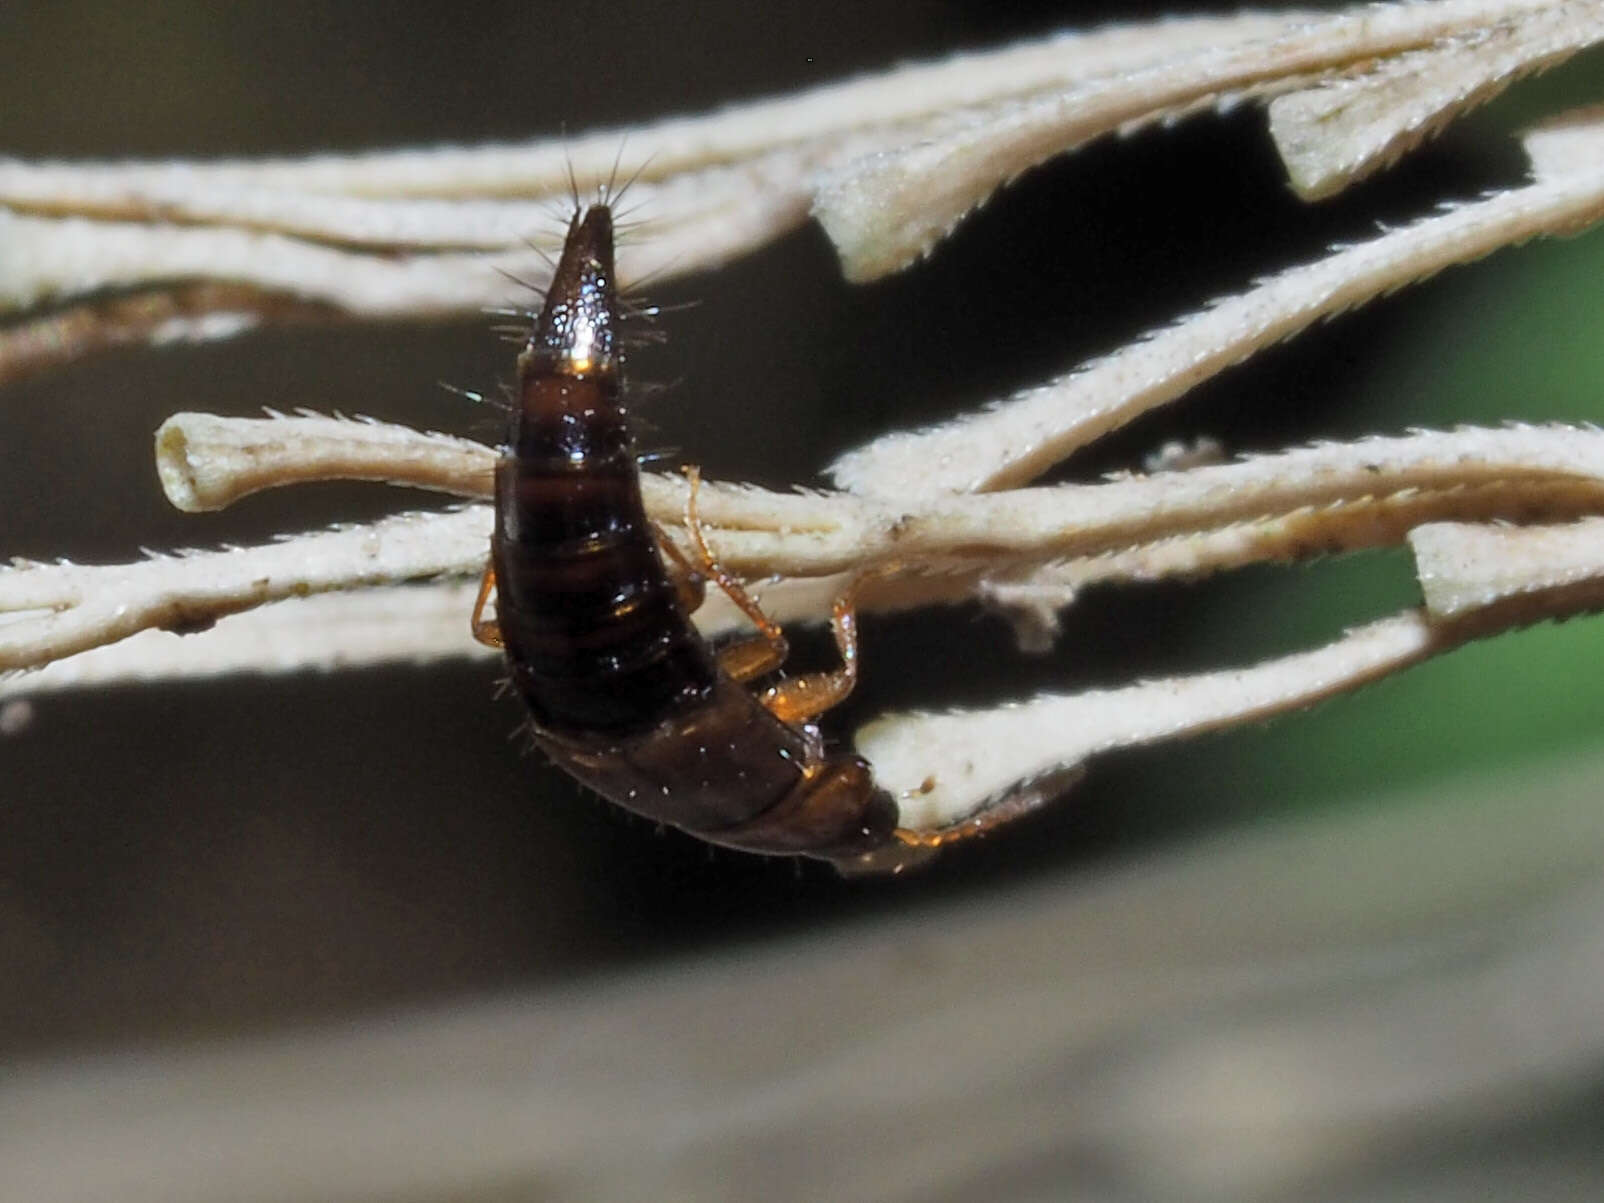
[1275,503]
[720,185]
[1469,568]
[207,462]
[1014,441]
[1320,499]
[891,209]
[54,610]
[410,624]
[903,96]
[946,766]
[1344,129]
[1478,581]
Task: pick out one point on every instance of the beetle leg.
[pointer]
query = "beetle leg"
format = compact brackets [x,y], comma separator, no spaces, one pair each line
[768,629]
[749,658]
[486,630]
[690,586]
[802,698]
[744,659]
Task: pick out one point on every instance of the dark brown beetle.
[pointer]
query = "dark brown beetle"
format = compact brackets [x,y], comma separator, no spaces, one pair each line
[625,694]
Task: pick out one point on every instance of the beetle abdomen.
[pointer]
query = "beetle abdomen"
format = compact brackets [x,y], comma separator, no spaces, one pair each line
[590,619]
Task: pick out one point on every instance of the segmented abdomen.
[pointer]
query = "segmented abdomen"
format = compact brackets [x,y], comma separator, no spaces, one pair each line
[588,613]
[625,694]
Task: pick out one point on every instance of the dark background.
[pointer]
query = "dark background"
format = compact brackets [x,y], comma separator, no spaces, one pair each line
[232,856]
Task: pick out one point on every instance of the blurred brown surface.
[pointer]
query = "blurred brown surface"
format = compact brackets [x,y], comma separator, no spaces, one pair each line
[1231,1021]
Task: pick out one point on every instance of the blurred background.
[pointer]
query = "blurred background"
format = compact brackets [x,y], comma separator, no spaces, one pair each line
[250,855]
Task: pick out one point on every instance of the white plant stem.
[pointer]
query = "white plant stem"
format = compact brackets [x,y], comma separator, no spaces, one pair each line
[1320,499]
[1013,441]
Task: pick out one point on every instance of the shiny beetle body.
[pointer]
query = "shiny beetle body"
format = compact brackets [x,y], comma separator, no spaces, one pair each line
[624,693]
